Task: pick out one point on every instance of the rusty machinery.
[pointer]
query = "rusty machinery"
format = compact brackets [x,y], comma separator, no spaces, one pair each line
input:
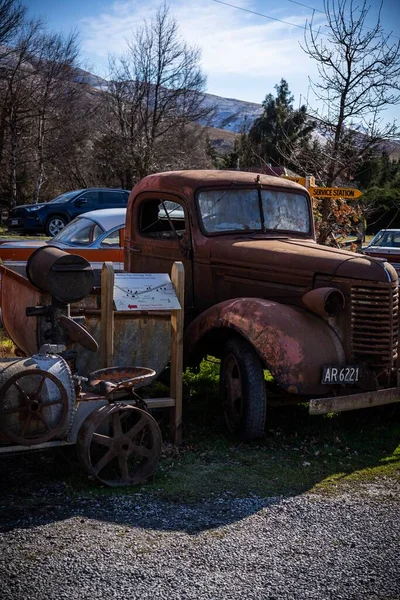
[44,402]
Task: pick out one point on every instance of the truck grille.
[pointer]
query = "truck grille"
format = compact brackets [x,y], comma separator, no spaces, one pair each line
[374,324]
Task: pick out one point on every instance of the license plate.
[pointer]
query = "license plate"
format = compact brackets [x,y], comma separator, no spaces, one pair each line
[347,374]
[14,221]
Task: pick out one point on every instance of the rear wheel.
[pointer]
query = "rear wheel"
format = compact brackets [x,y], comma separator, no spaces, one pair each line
[242,390]
[55,224]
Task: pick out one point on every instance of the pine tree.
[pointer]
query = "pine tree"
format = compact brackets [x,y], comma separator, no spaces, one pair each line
[278,133]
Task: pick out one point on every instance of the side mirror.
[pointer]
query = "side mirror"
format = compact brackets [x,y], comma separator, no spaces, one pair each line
[79,202]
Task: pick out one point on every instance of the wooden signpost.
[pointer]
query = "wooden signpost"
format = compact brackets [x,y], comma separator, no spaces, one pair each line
[175,316]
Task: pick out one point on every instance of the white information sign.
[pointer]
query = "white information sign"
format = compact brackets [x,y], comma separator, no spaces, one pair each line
[144,291]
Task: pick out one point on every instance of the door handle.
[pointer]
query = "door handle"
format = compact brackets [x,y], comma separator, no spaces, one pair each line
[134,249]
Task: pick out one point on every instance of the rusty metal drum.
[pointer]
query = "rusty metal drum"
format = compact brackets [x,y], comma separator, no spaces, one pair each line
[66,277]
[37,400]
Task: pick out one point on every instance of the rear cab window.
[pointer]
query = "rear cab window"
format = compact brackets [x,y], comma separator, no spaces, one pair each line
[160,218]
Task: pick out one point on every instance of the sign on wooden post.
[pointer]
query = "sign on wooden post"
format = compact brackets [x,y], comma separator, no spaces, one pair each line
[107,316]
[178,281]
[142,293]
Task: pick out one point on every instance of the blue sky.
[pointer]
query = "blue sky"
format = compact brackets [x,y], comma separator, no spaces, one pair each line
[243,55]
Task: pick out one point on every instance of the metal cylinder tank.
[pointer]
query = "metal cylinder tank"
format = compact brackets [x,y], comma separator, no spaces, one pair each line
[66,277]
[37,399]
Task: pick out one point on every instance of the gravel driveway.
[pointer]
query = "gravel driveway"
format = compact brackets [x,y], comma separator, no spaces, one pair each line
[57,544]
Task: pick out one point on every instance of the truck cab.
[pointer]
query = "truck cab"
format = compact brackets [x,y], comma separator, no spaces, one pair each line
[260,293]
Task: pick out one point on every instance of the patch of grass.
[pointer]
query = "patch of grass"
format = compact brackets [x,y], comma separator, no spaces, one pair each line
[7,346]
[299,452]
[203,383]
[9,235]
[284,462]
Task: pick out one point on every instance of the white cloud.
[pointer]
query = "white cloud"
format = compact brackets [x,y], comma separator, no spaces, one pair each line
[108,31]
[233,42]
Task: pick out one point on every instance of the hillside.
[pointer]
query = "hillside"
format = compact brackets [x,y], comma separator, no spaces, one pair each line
[230,117]
[230,114]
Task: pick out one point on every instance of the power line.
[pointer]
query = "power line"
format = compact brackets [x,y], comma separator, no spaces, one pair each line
[262,15]
[252,12]
[324,13]
[306,6]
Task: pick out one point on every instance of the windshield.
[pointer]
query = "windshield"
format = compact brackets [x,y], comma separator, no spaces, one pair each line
[253,210]
[65,197]
[80,232]
[389,239]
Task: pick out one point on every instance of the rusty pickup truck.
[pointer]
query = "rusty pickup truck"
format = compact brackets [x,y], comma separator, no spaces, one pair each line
[261,294]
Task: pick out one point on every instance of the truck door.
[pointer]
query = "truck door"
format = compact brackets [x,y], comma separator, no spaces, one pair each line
[161,236]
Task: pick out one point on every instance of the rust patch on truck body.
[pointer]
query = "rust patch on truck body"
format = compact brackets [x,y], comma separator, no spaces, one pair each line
[291,342]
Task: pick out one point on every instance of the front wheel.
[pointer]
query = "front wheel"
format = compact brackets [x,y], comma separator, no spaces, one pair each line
[55,224]
[242,390]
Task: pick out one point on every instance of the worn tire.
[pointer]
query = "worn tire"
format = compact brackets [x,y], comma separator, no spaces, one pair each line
[242,390]
[55,224]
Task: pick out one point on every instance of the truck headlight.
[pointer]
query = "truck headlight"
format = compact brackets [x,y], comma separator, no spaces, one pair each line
[325,302]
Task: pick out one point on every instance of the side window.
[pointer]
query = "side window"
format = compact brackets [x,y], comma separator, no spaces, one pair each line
[162,219]
[115,198]
[83,235]
[97,230]
[91,199]
[112,240]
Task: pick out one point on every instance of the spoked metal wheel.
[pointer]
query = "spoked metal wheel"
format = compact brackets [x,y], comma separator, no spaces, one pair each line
[55,225]
[119,444]
[242,390]
[34,407]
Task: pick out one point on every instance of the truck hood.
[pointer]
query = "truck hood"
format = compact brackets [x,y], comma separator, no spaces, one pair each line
[297,260]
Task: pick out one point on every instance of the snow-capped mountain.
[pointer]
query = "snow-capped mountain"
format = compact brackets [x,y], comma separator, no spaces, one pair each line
[231,114]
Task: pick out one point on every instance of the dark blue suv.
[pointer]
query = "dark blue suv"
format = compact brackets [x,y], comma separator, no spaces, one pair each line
[51,217]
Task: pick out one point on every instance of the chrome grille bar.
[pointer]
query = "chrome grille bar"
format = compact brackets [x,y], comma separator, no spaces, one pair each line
[374,324]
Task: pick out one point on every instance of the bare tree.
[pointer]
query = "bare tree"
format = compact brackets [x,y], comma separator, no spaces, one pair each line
[359,70]
[12,15]
[359,73]
[45,116]
[156,93]
[17,110]
[53,94]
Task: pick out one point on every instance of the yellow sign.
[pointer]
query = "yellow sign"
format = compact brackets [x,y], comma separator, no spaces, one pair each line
[300,180]
[305,181]
[321,192]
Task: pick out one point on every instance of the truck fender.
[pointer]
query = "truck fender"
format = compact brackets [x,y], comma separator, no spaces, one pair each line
[292,342]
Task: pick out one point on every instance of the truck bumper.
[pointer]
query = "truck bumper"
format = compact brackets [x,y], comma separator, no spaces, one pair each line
[322,406]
